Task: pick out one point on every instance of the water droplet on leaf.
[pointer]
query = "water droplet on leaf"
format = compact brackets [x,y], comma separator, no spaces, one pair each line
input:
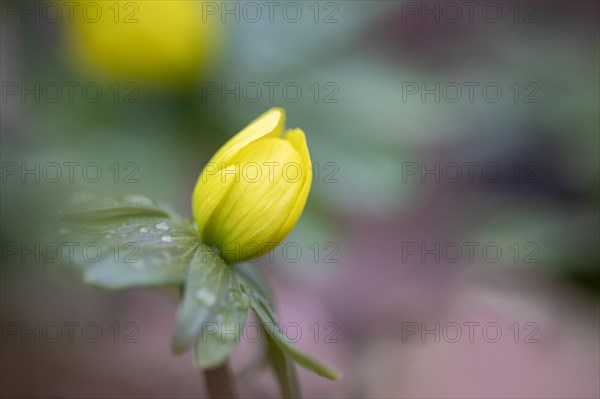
[82,198]
[162,226]
[205,297]
[136,199]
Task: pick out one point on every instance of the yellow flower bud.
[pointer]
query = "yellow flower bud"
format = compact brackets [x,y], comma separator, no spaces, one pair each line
[158,41]
[252,192]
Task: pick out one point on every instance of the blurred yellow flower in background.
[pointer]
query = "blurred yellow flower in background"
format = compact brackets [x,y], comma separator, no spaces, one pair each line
[163,42]
[253,191]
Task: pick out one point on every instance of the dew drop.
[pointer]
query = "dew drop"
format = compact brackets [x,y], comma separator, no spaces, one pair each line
[136,199]
[82,198]
[144,230]
[166,238]
[162,226]
[205,297]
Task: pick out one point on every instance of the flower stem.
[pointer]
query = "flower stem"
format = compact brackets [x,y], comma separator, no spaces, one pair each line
[219,382]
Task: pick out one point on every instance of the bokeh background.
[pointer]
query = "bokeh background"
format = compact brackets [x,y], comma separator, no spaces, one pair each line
[373,85]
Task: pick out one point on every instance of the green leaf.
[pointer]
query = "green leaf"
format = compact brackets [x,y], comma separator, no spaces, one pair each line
[142,251]
[126,242]
[220,334]
[269,322]
[213,311]
[284,369]
[85,206]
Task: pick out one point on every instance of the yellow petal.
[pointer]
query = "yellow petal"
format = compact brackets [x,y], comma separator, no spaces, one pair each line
[253,211]
[269,124]
[212,183]
[210,188]
[298,140]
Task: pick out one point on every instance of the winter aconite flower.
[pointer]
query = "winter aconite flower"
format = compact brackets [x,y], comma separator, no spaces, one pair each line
[253,190]
[164,42]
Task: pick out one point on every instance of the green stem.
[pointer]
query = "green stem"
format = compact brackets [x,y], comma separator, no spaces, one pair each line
[219,382]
